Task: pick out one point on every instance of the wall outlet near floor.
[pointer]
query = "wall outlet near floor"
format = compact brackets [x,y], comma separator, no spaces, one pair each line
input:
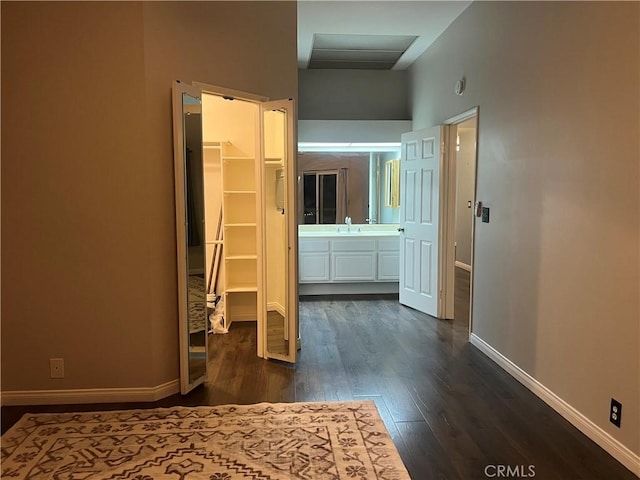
[615,413]
[56,367]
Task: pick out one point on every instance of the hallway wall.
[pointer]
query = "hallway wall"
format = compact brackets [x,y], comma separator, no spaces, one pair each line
[556,275]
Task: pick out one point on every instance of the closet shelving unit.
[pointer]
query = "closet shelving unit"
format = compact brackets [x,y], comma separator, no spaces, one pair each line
[240,237]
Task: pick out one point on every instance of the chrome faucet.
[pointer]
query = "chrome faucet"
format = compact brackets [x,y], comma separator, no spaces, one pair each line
[347,220]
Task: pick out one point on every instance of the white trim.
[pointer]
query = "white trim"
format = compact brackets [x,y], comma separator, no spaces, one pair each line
[229,92]
[463,266]
[90,395]
[275,307]
[614,447]
[472,112]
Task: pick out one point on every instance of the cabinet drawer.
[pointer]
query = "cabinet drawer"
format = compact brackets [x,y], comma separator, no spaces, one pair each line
[388,266]
[354,267]
[389,244]
[313,267]
[313,245]
[353,245]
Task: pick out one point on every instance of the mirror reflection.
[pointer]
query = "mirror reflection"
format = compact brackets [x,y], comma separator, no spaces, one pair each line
[339,184]
[194,191]
[275,191]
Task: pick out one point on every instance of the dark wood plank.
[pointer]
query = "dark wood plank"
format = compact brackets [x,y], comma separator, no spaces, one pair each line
[449,409]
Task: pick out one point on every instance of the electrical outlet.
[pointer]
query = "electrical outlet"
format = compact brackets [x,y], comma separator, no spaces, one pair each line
[56,367]
[615,414]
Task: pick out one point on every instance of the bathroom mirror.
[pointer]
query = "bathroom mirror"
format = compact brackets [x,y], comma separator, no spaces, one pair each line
[281,307]
[190,235]
[336,183]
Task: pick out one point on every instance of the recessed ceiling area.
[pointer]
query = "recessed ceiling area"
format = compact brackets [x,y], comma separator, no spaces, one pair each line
[372,52]
[366,33]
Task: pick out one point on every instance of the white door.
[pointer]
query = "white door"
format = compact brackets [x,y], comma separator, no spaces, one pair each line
[279,295]
[420,182]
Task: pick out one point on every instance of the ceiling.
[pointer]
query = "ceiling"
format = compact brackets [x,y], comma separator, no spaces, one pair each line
[383,34]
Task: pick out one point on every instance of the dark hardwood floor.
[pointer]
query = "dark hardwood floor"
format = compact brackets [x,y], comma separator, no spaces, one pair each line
[450,410]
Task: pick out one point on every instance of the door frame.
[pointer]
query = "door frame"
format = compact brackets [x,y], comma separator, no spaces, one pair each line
[449,214]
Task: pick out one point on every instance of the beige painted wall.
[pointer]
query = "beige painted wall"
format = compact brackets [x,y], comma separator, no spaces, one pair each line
[88,221]
[556,274]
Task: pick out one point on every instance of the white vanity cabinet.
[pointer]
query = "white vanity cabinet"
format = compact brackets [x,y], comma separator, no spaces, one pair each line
[313,260]
[350,263]
[353,259]
[388,259]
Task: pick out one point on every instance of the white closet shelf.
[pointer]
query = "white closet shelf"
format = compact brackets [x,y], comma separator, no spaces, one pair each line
[247,224]
[243,192]
[242,288]
[225,157]
[241,257]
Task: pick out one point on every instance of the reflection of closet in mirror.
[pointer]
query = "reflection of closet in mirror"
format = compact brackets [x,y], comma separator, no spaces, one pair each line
[275,186]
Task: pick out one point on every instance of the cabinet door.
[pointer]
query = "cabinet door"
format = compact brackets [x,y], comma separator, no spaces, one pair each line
[352,266]
[388,259]
[388,266]
[314,267]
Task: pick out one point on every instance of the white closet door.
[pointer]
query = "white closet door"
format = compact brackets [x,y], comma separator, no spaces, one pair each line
[280,270]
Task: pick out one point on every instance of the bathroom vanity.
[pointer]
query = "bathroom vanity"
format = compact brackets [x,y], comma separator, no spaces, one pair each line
[342,259]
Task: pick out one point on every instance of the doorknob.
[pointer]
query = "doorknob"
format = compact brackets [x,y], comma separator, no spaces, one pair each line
[400,229]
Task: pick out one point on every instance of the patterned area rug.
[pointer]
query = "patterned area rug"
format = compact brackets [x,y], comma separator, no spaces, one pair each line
[311,441]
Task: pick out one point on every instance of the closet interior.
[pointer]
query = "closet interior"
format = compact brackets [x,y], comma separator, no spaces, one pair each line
[233,183]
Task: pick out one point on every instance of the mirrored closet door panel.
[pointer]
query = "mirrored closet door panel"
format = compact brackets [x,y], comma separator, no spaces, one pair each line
[281,302]
[191,236]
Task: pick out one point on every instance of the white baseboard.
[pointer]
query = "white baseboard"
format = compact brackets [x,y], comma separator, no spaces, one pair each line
[616,449]
[463,266]
[275,307]
[90,395]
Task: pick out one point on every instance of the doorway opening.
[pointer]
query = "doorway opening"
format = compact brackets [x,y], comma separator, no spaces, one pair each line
[463,135]
[234,228]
